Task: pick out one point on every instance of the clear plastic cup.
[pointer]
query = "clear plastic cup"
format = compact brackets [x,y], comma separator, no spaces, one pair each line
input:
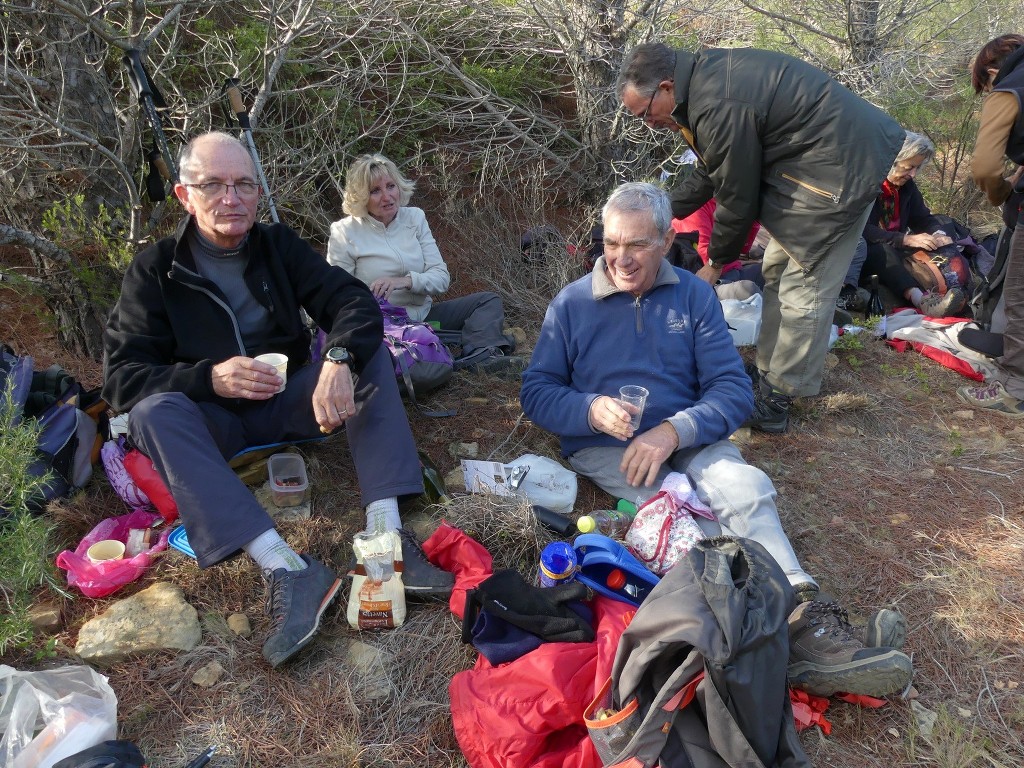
[633,399]
[377,553]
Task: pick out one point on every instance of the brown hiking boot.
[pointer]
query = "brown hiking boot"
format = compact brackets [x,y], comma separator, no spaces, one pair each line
[885,629]
[825,656]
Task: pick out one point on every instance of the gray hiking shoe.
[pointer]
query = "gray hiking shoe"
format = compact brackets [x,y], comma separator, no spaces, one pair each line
[946,304]
[885,629]
[423,580]
[296,601]
[825,656]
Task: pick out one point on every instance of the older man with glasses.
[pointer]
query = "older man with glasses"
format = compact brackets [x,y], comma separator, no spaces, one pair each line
[195,311]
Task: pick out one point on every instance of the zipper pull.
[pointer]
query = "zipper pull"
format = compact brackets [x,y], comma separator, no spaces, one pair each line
[270,300]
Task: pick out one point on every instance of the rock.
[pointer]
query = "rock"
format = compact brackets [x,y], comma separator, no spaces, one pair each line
[209,675]
[925,719]
[45,616]
[965,415]
[519,335]
[301,511]
[464,450]
[370,667]
[239,624]
[155,619]
[476,401]
[455,480]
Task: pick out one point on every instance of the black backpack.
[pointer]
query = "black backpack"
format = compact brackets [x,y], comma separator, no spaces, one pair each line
[68,434]
[109,754]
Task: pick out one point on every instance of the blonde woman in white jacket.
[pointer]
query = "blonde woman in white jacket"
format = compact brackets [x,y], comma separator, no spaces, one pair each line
[388,245]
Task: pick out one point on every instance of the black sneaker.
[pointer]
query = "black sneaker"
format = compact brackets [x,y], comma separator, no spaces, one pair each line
[771,410]
[497,363]
[295,602]
[852,299]
[423,580]
[826,657]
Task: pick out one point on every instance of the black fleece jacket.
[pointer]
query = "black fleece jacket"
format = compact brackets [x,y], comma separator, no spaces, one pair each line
[171,325]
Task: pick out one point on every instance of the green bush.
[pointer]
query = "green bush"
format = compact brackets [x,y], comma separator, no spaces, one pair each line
[24,549]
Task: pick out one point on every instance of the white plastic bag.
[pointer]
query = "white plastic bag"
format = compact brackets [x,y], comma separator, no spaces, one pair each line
[377,599]
[47,716]
[548,483]
[744,319]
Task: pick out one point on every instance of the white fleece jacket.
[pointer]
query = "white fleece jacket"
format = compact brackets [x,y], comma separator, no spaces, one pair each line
[367,249]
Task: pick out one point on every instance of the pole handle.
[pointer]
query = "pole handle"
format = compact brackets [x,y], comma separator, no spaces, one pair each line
[235,97]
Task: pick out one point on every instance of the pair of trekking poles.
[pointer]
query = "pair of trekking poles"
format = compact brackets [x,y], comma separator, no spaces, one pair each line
[162,165]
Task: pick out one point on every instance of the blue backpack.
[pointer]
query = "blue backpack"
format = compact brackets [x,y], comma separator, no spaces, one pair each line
[67,435]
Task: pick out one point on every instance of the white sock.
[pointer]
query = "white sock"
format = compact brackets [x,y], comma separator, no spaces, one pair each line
[916,294]
[271,552]
[382,515]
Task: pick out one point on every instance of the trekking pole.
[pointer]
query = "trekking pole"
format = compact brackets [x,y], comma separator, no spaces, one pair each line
[235,97]
[150,98]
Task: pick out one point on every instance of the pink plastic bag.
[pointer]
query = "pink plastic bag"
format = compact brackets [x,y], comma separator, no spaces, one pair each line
[102,579]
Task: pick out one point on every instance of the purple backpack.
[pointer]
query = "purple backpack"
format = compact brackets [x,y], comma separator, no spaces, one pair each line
[422,362]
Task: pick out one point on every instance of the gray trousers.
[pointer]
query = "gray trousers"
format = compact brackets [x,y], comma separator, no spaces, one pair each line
[796,316]
[190,444]
[741,496]
[478,319]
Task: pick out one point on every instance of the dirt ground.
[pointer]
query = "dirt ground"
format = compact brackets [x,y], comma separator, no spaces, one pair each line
[892,493]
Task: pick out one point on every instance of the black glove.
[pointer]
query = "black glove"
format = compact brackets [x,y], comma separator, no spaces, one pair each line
[541,611]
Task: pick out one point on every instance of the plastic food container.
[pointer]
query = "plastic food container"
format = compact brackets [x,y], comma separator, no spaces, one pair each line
[288,480]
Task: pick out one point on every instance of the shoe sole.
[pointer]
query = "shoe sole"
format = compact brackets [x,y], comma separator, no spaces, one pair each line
[1012,413]
[281,658]
[877,676]
[887,629]
[427,593]
[772,429]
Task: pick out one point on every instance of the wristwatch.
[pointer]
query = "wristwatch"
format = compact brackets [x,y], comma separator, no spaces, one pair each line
[339,356]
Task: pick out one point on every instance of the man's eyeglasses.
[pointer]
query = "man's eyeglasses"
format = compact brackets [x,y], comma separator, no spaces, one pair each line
[643,115]
[215,189]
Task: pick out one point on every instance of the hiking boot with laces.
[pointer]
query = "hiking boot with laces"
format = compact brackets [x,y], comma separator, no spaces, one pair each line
[771,409]
[295,601]
[885,629]
[853,299]
[992,397]
[423,580]
[946,304]
[825,656]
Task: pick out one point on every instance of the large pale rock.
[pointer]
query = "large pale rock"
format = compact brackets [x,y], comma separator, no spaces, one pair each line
[155,619]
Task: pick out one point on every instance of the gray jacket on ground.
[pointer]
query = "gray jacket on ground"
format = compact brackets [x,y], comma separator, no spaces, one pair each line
[781,142]
[722,611]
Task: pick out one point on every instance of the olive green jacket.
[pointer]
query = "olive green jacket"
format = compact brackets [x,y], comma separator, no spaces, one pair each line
[780,142]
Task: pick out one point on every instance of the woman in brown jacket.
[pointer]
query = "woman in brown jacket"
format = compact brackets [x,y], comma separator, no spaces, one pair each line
[998,71]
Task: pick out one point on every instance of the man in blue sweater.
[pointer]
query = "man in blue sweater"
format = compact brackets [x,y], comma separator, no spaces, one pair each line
[635,319]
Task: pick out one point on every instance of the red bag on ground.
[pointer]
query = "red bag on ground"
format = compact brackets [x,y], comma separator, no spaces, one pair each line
[141,468]
[102,579]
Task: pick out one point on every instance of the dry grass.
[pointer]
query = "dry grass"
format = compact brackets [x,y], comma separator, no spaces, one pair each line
[892,493]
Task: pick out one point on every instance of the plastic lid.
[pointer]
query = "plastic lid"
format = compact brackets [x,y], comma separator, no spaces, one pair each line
[586,524]
[616,579]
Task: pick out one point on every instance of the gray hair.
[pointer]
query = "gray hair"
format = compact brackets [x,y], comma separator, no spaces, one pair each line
[644,66]
[638,196]
[364,170]
[186,159]
[913,145]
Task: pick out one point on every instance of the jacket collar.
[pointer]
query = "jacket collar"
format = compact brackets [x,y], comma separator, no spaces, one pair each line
[603,287]
[685,62]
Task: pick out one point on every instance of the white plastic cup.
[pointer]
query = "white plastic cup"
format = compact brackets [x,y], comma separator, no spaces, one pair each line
[102,551]
[633,398]
[280,362]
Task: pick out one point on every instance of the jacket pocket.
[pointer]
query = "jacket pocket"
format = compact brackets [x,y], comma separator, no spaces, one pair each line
[810,190]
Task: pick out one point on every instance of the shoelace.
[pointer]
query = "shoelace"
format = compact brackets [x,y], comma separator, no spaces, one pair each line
[274,607]
[990,392]
[832,615]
